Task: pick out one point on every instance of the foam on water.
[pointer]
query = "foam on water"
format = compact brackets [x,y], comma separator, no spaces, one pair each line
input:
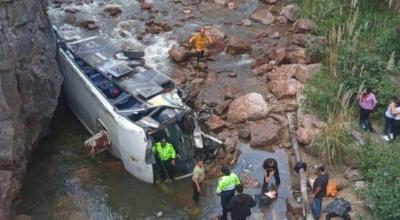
[156,54]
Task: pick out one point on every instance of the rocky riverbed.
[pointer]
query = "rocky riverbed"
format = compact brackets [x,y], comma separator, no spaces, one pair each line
[253,75]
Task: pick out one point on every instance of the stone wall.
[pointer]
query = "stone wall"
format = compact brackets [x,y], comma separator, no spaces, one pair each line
[29,87]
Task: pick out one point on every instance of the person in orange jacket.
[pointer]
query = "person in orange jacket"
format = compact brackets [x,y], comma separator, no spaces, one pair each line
[201,41]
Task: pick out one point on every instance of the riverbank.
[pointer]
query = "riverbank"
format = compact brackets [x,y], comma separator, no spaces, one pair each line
[363,52]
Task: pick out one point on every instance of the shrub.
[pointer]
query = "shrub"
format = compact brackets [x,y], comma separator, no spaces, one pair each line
[379,165]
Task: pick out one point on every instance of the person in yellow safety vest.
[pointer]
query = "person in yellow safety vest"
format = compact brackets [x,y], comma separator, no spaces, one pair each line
[166,155]
[201,41]
[226,189]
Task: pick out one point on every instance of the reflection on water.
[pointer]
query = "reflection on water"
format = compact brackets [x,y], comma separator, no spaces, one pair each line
[64,183]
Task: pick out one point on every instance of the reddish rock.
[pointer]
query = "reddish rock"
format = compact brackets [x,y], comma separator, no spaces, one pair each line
[263,16]
[283,88]
[309,127]
[218,38]
[179,76]
[284,72]
[214,122]
[248,180]
[298,55]
[180,54]
[304,74]
[113,10]
[237,46]
[291,12]
[248,107]
[220,108]
[277,54]
[264,132]
[262,69]
[153,27]
[304,25]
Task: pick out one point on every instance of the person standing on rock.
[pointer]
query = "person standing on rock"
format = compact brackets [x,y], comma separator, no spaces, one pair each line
[226,189]
[241,204]
[197,179]
[201,41]
[319,191]
[271,175]
[367,103]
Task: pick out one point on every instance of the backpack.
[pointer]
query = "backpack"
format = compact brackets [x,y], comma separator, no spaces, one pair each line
[338,207]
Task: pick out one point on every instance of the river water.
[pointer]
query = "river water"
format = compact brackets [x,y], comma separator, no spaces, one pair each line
[63,182]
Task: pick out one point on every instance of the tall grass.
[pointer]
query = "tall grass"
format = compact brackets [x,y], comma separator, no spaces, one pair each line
[333,146]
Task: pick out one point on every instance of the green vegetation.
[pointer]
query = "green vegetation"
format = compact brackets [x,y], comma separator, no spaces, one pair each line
[363,51]
[381,170]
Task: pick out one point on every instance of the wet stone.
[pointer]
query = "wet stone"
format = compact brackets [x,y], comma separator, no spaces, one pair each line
[264,132]
[248,180]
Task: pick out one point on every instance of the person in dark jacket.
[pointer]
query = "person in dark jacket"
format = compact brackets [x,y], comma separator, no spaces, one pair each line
[271,175]
[240,204]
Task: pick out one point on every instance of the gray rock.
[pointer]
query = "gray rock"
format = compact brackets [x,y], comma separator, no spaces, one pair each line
[263,16]
[248,107]
[29,88]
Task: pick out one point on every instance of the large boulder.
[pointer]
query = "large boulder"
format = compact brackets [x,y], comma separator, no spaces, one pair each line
[291,12]
[263,16]
[30,84]
[285,72]
[248,107]
[218,38]
[237,46]
[303,25]
[264,132]
[310,126]
[180,54]
[283,88]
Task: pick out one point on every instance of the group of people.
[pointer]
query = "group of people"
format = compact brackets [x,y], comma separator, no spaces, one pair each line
[230,189]
[367,102]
